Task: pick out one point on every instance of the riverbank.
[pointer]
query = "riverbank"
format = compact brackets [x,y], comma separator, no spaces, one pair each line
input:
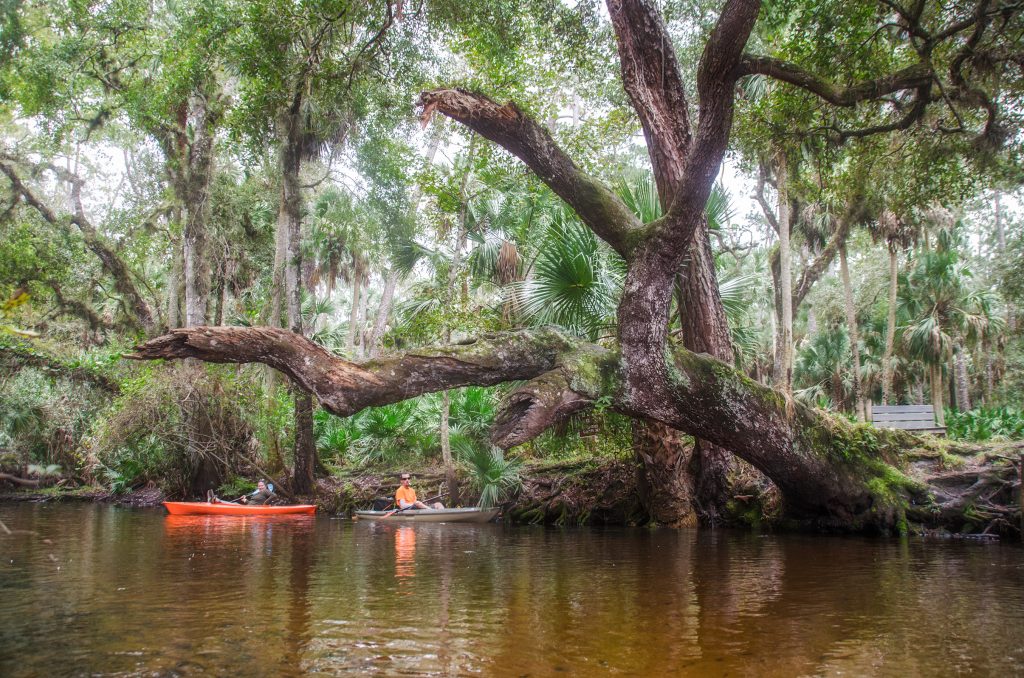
[975,492]
[576,492]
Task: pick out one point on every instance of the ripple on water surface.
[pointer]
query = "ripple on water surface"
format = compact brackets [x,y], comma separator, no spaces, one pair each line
[105,591]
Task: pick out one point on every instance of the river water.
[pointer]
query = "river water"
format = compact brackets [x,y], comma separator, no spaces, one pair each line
[97,590]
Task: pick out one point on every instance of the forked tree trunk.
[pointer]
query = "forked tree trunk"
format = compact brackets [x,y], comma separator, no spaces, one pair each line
[828,470]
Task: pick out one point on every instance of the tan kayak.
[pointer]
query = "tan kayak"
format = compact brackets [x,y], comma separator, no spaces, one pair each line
[451,515]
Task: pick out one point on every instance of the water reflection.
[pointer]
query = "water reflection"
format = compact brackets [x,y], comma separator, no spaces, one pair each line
[138,592]
[405,552]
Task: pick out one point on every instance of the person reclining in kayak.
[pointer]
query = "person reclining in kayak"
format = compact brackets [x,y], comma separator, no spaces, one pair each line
[262,495]
[405,497]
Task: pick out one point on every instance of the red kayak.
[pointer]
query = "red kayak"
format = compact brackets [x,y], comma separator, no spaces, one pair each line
[202,508]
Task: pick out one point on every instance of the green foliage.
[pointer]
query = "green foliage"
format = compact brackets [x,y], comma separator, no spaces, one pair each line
[143,436]
[491,474]
[985,423]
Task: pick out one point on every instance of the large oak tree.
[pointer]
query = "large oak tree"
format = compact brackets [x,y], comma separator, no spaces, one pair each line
[826,468]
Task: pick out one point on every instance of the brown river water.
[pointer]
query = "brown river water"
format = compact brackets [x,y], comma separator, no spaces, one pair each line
[96,590]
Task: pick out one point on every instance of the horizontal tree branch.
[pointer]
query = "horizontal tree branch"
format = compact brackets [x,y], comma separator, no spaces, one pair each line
[345,387]
[911,77]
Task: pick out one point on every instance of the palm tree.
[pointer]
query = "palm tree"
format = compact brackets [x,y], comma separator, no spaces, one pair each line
[947,314]
[822,371]
[898,234]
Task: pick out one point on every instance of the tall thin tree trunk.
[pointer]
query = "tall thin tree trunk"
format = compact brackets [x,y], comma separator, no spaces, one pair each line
[851,321]
[174,283]
[291,163]
[446,450]
[990,382]
[784,377]
[890,329]
[963,396]
[383,311]
[353,321]
[271,377]
[218,303]
[1011,318]
[194,185]
[935,373]
[361,329]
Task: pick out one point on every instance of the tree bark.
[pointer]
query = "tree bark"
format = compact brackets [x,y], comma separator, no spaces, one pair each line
[890,327]
[851,321]
[784,376]
[1011,316]
[174,284]
[664,479]
[705,330]
[935,375]
[383,312]
[828,470]
[291,199]
[963,396]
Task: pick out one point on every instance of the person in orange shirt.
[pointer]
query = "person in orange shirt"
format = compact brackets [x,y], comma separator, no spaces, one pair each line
[405,497]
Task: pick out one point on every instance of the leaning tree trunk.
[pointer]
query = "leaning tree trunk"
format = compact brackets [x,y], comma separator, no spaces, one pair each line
[828,470]
[890,328]
[851,321]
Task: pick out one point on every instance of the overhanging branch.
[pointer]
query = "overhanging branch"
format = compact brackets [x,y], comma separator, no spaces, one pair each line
[344,387]
[598,207]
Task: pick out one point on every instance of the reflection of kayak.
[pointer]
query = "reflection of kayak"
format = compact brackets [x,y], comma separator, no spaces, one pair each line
[451,515]
[195,508]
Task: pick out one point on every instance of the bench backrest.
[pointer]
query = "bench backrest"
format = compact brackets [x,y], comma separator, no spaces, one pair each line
[908,417]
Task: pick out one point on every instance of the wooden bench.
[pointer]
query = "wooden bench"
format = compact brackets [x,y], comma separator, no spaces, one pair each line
[919,418]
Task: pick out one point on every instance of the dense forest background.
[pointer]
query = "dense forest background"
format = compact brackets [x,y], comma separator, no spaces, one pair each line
[178,164]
